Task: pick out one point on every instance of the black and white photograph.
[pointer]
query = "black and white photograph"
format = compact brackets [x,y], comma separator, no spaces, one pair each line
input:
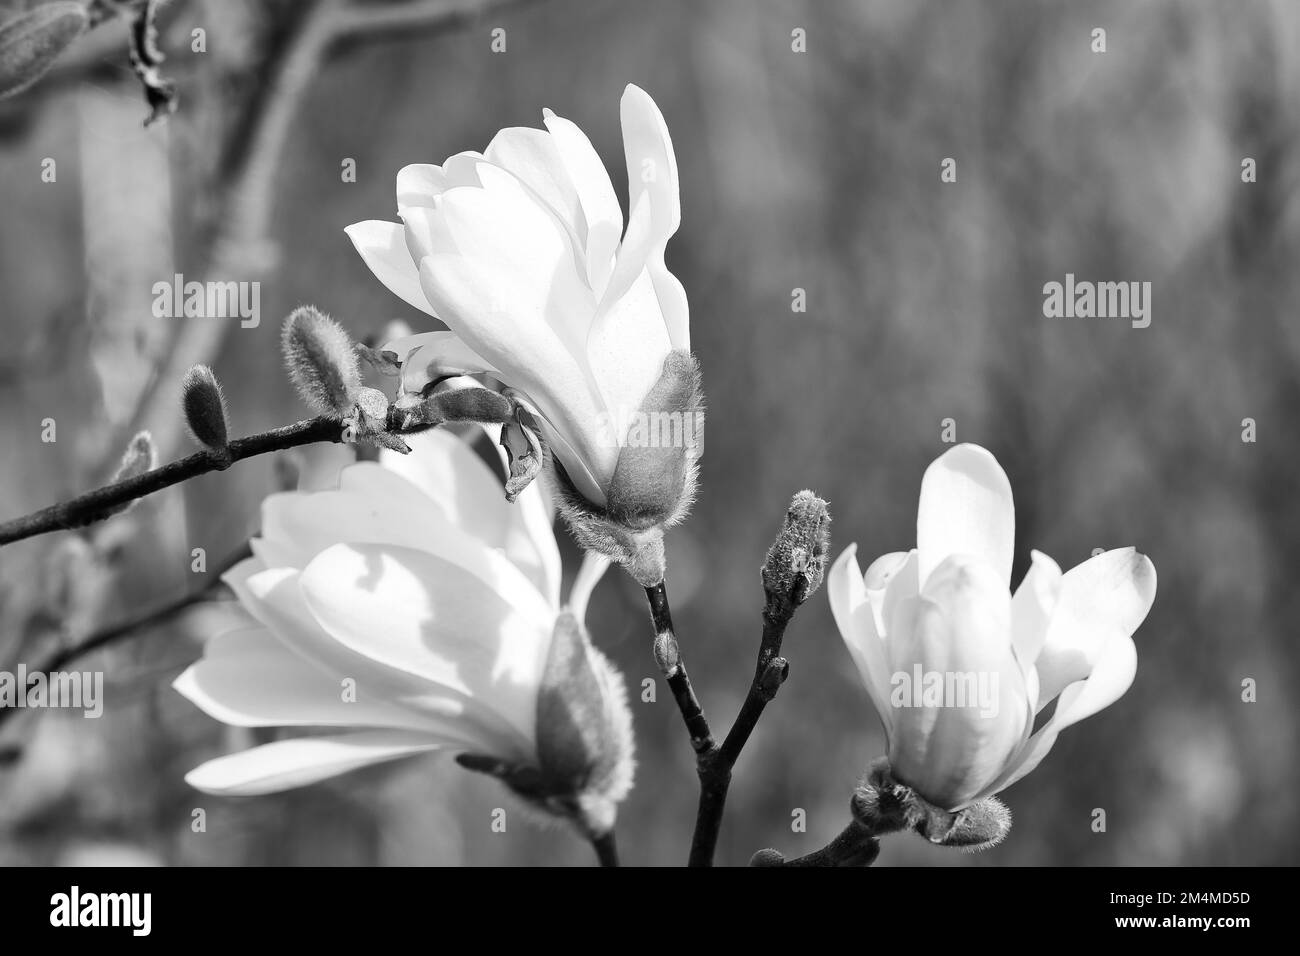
[598,433]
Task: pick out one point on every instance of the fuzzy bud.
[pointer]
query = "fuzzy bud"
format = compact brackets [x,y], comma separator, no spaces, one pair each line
[584,731]
[796,560]
[882,804]
[654,480]
[585,755]
[321,361]
[32,41]
[204,404]
[140,456]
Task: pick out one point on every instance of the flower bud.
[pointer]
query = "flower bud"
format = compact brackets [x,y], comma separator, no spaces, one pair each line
[32,41]
[584,731]
[654,480]
[204,405]
[321,361]
[882,804]
[140,456]
[796,560]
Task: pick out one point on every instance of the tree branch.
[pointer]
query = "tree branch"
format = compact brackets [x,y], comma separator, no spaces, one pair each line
[63,656]
[606,849]
[95,505]
[792,572]
[855,846]
[668,656]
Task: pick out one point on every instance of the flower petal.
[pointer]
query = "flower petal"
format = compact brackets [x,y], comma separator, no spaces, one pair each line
[856,621]
[248,678]
[429,356]
[876,580]
[383,247]
[592,569]
[652,172]
[965,508]
[286,764]
[418,613]
[419,184]
[958,631]
[1112,676]
[600,208]
[532,156]
[274,598]
[626,350]
[512,272]
[1103,598]
[463,487]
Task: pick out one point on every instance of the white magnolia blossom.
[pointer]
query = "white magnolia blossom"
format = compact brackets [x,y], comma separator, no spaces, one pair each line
[413,610]
[521,250]
[946,608]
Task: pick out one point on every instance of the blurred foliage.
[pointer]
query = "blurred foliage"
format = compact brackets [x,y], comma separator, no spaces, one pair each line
[816,170]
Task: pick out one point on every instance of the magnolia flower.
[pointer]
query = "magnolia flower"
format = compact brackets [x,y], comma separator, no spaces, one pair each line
[522,252]
[943,613]
[413,610]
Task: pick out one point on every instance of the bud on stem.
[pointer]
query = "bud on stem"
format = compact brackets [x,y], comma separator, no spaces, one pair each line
[321,361]
[204,405]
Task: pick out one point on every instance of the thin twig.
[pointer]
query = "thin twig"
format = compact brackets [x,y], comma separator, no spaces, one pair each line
[716,765]
[95,505]
[791,573]
[60,658]
[606,849]
[669,657]
[250,200]
[855,846]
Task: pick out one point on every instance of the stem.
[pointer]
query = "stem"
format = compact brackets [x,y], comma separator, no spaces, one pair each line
[64,656]
[606,850]
[715,766]
[102,502]
[855,846]
[669,657]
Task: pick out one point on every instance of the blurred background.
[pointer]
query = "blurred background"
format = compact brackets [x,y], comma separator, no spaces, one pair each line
[815,170]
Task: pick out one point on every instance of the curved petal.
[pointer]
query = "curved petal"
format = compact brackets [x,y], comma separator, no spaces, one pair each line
[470,548]
[1112,676]
[430,356]
[876,580]
[652,172]
[417,613]
[420,184]
[287,764]
[600,208]
[248,678]
[532,156]
[590,572]
[856,621]
[512,272]
[461,484]
[274,598]
[902,587]
[383,247]
[1031,610]
[955,637]
[1032,606]
[1103,598]
[626,350]
[966,508]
